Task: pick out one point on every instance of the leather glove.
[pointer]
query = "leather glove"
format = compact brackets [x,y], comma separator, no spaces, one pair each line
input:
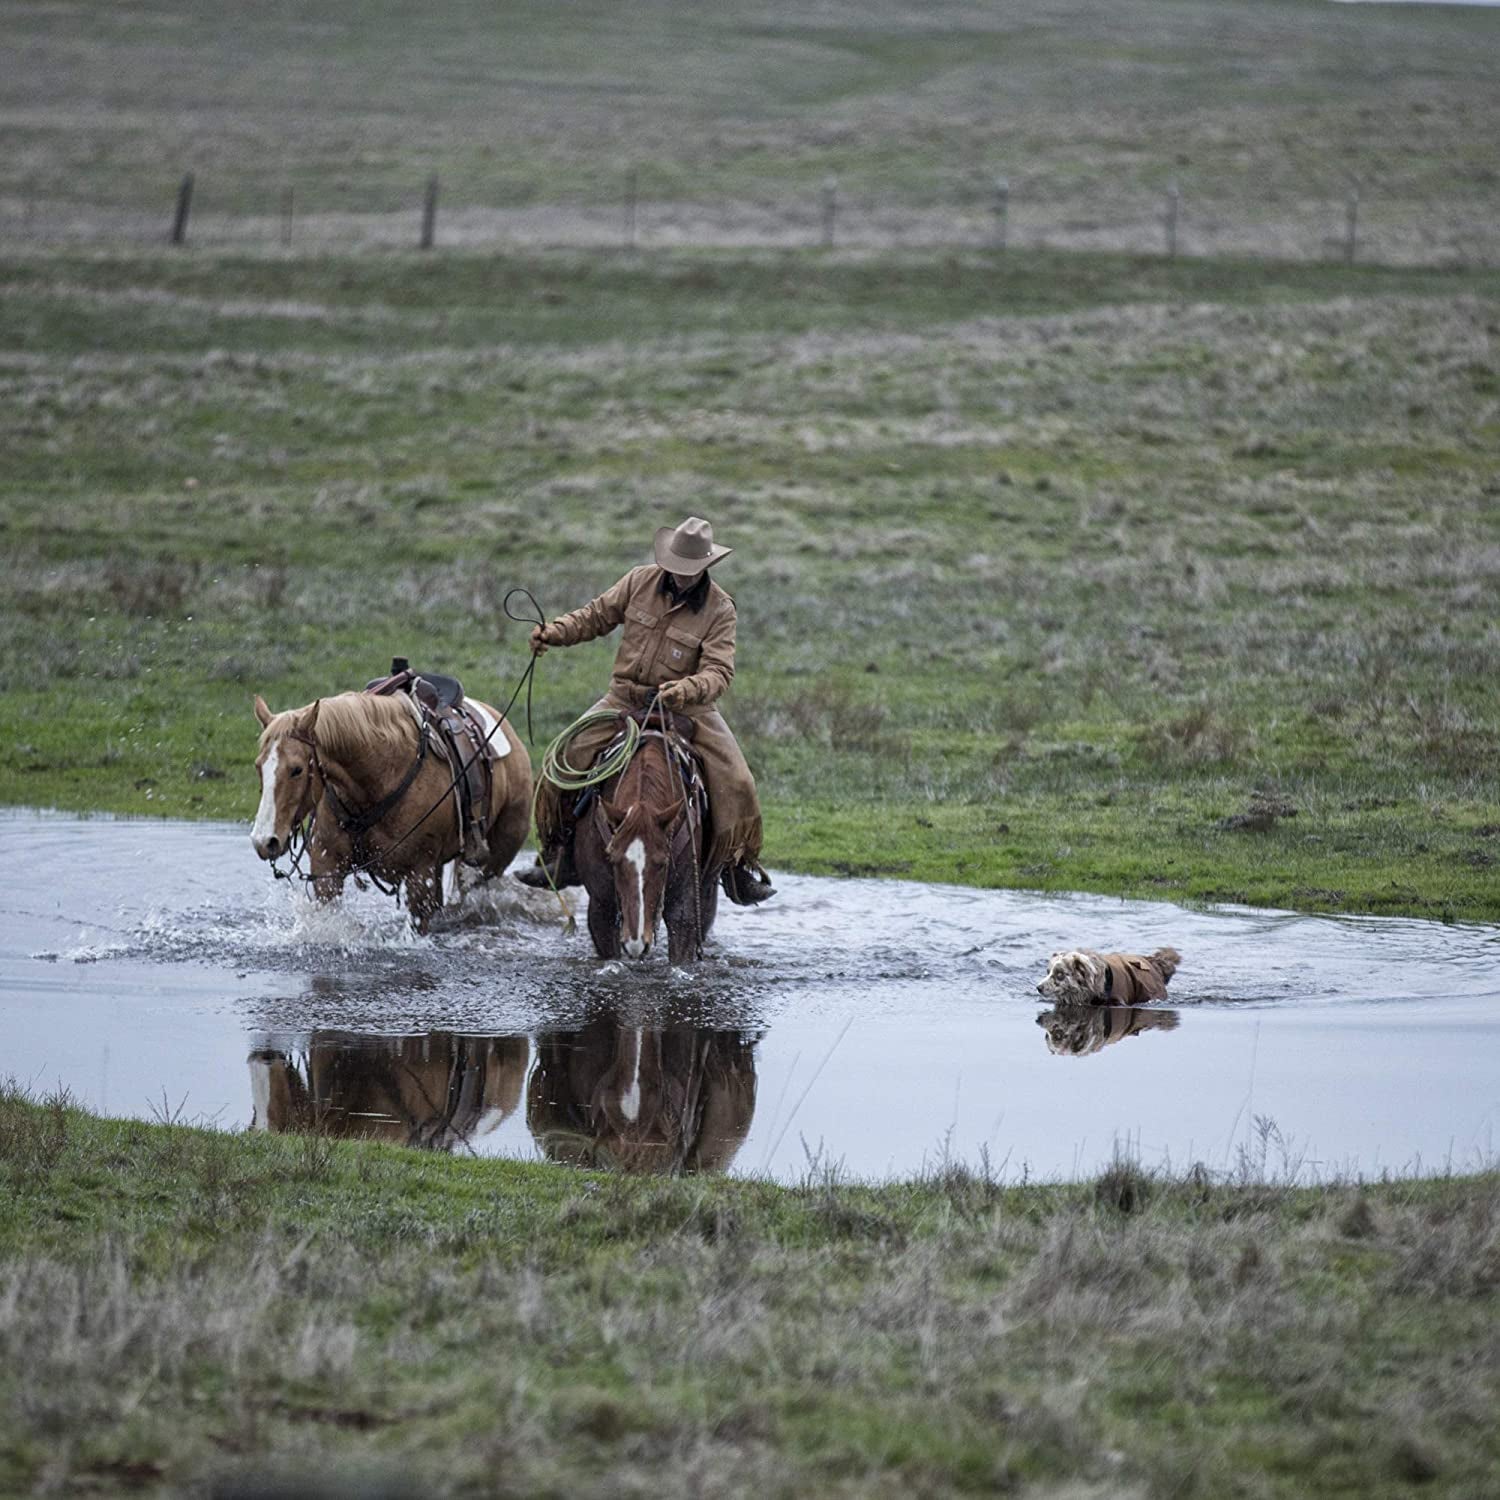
[541,638]
[673,696]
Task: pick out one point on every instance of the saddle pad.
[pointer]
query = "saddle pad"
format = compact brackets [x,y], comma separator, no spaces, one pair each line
[499,742]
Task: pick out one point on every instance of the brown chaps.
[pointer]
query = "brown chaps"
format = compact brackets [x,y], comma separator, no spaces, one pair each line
[734,807]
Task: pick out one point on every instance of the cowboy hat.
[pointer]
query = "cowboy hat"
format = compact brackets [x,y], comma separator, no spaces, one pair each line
[688,549]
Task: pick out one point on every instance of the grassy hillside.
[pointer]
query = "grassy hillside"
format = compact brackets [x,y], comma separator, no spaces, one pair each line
[177,1306]
[1048,569]
[1264,111]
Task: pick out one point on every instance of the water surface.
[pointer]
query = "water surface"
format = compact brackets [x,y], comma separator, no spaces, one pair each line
[154,968]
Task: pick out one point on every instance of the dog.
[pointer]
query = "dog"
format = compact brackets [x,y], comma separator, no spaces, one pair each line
[1080,1030]
[1083,977]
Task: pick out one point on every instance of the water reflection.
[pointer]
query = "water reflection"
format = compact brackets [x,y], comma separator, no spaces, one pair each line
[1078,1030]
[668,1099]
[434,1091]
[611,1093]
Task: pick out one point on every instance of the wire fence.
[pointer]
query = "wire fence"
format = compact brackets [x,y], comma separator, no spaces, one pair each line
[1356,227]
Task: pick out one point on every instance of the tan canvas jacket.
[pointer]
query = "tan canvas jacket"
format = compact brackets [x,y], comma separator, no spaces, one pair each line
[662,641]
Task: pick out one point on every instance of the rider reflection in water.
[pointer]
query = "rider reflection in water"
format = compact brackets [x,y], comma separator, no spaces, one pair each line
[642,1099]
[676,651]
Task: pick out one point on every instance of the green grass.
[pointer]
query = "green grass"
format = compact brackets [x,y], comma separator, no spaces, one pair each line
[1263,111]
[180,1304]
[1048,567]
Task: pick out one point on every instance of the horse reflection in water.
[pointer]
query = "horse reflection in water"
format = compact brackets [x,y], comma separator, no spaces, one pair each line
[668,1099]
[642,1099]
[434,1092]
[1078,1030]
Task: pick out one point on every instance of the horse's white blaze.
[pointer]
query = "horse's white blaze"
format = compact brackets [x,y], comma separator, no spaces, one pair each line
[265,815]
[499,742]
[260,1094]
[635,856]
[630,1100]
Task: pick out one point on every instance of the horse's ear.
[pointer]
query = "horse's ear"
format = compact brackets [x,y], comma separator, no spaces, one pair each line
[310,722]
[671,814]
[262,713]
[612,814]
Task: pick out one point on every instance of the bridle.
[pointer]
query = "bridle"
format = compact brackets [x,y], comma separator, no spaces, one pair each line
[356,823]
[359,824]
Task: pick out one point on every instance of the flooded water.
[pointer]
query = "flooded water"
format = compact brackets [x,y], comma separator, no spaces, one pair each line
[155,969]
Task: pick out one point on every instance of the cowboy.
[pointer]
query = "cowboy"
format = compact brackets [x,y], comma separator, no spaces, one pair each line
[676,652]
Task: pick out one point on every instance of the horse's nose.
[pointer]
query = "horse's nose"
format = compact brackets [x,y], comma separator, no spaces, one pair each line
[1041,989]
[267,848]
[636,947]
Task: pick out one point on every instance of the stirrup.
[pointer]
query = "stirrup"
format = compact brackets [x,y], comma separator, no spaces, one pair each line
[746,884]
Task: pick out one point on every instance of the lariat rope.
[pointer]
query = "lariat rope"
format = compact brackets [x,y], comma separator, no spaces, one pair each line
[558,771]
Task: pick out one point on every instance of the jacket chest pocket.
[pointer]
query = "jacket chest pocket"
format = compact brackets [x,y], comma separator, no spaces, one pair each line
[680,653]
[639,643]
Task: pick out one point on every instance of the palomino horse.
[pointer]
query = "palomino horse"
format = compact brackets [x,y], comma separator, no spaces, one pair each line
[642,1099]
[639,853]
[436,1091]
[359,766]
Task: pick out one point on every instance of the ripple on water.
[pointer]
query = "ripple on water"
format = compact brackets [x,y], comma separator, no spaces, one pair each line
[877,1023]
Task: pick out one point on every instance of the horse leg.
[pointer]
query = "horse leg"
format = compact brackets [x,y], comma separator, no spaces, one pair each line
[507,834]
[327,874]
[604,924]
[708,901]
[424,894]
[680,913]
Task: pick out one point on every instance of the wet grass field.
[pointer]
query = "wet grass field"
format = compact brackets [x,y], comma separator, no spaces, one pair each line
[1068,572]
[178,1304]
[1263,114]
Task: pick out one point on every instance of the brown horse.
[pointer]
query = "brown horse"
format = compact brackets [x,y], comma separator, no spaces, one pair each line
[346,759]
[642,1099]
[639,852]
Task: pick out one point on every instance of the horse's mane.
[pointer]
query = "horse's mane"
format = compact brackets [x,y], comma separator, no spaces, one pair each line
[648,785]
[356,727]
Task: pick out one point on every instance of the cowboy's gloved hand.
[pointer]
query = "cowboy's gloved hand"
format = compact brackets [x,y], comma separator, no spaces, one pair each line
[673,696]
[541,638]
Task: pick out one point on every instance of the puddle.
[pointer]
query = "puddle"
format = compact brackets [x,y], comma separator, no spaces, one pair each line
[880,1027]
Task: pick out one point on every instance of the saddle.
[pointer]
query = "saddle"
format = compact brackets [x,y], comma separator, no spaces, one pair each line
[461,741]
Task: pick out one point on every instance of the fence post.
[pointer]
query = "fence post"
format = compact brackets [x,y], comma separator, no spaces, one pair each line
[632,197]
[1174,206]
[184,203]
[1351,226]
[830,208]
[429,212]
[1002,212]
[286,216]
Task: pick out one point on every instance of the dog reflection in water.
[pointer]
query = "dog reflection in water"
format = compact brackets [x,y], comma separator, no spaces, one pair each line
[435,1091]
[642,1099]
[1078,1030]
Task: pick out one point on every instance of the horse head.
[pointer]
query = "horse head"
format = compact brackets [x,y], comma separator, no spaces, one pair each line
[639,852]
[286,765]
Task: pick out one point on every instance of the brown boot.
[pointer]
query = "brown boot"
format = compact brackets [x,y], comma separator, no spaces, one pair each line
[746,884]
